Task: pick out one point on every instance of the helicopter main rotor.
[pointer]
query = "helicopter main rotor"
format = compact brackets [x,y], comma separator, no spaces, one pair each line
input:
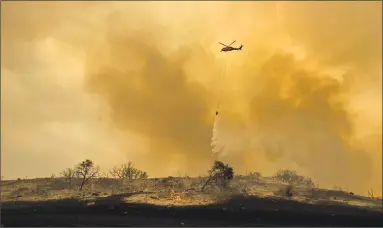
[227,45]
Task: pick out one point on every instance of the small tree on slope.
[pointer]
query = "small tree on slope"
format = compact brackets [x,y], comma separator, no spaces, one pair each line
[219,174]
[86,171]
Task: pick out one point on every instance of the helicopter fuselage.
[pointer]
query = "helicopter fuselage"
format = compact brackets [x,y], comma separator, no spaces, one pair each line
[228,49]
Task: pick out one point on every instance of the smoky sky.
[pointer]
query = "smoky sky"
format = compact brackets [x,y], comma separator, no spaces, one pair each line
[140,81]
[156,100]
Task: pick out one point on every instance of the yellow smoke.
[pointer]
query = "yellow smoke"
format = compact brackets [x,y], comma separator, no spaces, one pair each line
[139,81]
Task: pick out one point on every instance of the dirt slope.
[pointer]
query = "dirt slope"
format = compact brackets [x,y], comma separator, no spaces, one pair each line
[178,202]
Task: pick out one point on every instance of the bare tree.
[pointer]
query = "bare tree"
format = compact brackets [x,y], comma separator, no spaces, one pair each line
[128,172]
[220,174]
[69,174]
[86,171]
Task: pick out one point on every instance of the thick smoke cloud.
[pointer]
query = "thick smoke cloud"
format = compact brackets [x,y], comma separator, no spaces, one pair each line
[156,100]
[305,116]
[139,81]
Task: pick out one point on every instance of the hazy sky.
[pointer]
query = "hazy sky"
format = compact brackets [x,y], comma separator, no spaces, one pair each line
[139,81]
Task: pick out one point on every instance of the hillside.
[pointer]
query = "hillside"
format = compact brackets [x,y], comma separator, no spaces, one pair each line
[177,201]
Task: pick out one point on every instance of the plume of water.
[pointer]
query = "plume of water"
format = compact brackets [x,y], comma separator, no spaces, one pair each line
[217,147]
[228,138]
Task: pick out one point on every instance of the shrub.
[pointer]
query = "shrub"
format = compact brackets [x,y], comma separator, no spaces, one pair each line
[288,191]
[128,172]
[255,175]
[291,177]
[220,175]
[371,193]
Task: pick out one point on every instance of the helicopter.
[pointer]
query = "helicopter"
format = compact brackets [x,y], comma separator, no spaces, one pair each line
[230,48]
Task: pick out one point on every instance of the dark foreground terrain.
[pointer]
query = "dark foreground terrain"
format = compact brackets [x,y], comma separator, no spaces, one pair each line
[179,202]
[238,211]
